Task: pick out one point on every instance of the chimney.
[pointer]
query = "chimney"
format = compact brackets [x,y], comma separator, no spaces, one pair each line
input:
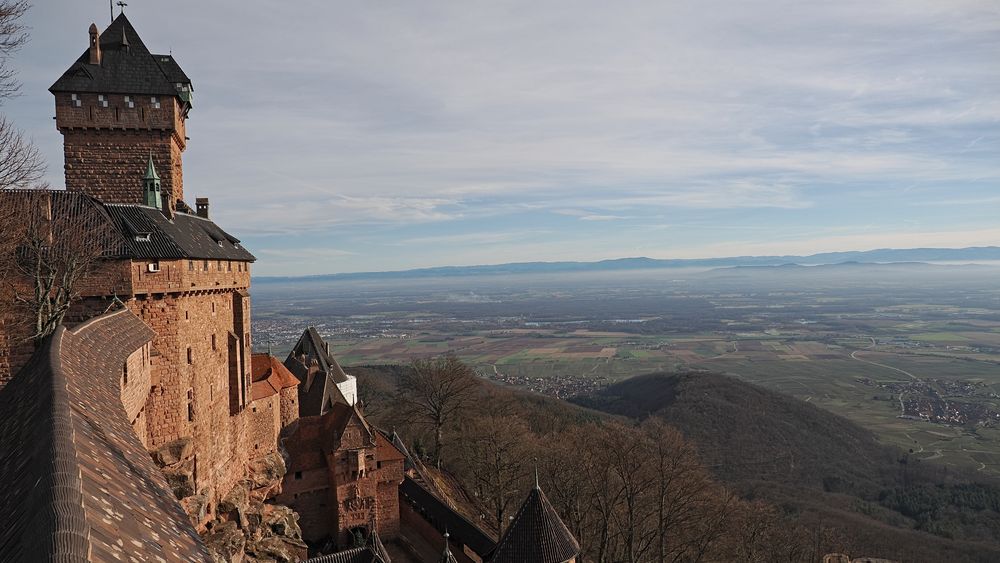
[168,206]
[201,206]
[95,45]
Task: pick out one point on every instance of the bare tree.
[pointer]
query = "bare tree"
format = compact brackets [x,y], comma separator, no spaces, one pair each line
[55,243]
[21,165]
[496,457]
[435,392]
[13,36]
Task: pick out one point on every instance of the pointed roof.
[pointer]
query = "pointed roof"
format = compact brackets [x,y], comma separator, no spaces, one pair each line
[151,170]
[318,389]
[127,67]
[536,535]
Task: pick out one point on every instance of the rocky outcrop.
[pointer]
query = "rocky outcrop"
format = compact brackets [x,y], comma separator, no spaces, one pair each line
[269,532]
[241,527]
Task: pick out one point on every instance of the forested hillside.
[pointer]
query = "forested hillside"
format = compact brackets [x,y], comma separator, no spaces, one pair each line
[696,467]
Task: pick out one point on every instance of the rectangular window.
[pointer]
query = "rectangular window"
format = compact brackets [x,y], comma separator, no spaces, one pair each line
[213,343]
[190,357]
[219,265]
[190,412]
[205,265]
[125,373]
[102,101]
[129,102]
[298,475]
[155,102]
[77,102]
[229,265]
[190,265]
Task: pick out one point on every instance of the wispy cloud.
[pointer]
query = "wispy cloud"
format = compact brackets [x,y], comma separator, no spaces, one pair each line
[472,122]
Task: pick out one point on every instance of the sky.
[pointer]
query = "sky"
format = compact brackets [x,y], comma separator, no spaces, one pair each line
[340,136]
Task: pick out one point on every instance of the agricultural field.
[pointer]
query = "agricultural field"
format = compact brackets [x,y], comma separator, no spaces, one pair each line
[919,367]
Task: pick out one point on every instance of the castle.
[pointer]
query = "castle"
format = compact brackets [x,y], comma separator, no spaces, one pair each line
[148,427]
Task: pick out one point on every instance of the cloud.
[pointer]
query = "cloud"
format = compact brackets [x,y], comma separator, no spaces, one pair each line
[443,119]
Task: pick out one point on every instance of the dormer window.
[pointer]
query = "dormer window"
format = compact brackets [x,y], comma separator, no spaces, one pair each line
[155,102]
[102,100]
[75,99]
[143,237]
[129,102]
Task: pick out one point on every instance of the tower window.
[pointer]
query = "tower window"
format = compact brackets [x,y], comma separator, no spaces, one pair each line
[213,342]
[155,102]
[129,101]
[125,373]
[190,356]
[102,100]
[77,102]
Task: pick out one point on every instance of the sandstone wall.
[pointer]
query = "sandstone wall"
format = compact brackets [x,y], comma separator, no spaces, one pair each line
[106,148]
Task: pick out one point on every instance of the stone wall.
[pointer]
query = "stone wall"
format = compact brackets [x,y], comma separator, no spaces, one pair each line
[106,148]
[135,385]
[263,425]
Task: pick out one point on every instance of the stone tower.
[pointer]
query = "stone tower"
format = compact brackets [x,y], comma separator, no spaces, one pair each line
[117,107]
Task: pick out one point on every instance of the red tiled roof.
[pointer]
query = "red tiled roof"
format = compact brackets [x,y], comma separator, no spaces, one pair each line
[79,485]
[269,376]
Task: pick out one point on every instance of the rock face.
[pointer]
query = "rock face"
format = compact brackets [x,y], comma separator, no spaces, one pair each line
[241,527]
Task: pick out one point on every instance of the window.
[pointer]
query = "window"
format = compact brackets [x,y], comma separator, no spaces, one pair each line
[229,265]
[205,265]
[187,315]
[298,475]
[220,263]
[213,343]
[190,412]
[190,265]
[190,357]
[75,99]
[155,102]
[129,102]
[102,100]
[125,373]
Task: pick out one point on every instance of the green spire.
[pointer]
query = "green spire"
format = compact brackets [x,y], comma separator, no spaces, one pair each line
[151,170]
[151,186]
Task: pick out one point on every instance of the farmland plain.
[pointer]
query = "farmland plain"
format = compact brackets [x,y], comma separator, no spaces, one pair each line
[910,351]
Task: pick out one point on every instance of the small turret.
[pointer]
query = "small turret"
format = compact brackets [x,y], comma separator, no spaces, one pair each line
[95,45]
[152,195]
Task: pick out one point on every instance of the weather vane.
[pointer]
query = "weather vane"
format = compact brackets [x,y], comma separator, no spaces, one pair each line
[121,4]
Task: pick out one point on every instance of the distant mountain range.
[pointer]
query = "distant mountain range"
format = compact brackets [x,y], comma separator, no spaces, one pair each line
[880,256]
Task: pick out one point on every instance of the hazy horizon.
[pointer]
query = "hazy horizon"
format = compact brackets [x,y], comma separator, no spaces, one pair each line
[335,137]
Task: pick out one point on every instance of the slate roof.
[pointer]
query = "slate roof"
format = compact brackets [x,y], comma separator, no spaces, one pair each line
[78,483]
[317,390]
[373,552]
[444,519]
[131,70]
[536,535]
[131,230]
[183,236]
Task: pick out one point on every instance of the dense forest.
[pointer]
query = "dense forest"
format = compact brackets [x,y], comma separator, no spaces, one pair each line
[685,467]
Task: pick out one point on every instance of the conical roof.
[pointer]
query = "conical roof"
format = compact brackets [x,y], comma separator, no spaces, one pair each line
[151,170]
[536,535]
